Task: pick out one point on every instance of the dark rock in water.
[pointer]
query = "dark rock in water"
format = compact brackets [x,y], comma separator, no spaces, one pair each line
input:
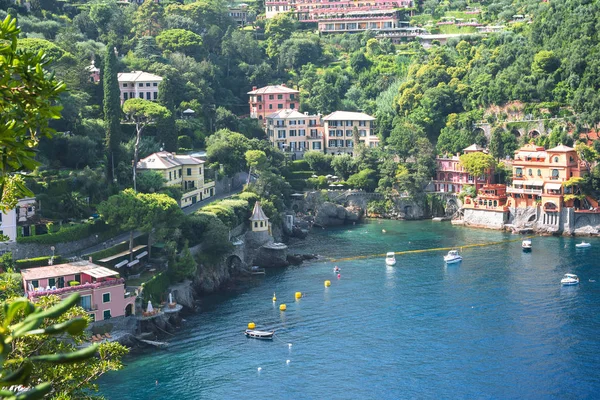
[294,259]
[299,233]
[297,259]
[271,256]
[329,214]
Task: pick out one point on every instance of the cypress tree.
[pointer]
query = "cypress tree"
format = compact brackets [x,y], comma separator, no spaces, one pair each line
[166,128]
[112,110]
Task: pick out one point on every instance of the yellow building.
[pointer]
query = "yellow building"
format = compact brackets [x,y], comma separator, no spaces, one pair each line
[539,174]
[183,171]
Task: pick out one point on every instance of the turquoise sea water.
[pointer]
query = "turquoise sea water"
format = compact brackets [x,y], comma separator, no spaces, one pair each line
[496,326]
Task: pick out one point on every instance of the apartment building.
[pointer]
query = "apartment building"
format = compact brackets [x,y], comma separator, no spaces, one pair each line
[138,85]
[269,99]
[295,132]
[339,127]
[332,16]
[539,174]
[184,171]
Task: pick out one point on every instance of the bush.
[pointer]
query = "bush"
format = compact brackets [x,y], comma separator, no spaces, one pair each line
[155,288]
[299,184]
[184,142]
[68,233]
[301,174]
[299,165]
[37,262]
[73,283]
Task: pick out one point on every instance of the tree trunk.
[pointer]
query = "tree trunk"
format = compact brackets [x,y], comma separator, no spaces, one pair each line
[130,246]
[138,128]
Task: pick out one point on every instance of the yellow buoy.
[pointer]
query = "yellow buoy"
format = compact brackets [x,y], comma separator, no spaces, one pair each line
[327,283]
[298,295]
[251,325]
[282,307]
[274,298]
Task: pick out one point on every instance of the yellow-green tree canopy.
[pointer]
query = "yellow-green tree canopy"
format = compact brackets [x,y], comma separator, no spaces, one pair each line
[478,163]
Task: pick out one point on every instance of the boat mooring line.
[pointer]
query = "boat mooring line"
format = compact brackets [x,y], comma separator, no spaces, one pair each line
[466,246]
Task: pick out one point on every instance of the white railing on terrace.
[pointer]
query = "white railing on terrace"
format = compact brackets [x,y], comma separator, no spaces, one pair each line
[511,189]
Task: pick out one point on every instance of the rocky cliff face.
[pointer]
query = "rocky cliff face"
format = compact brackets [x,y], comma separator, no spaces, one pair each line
[330,214]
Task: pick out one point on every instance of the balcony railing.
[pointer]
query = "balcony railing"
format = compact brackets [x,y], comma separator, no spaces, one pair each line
[510,189]
[78,288]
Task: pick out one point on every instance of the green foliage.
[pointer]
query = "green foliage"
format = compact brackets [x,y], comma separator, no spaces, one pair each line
[343,166]
[364,179]
[183,266]
[6,261]
[212,232]
[256,159]
[184,142]
[27,104]
[180,40]
[67,233]
[11,285]
[318,162]
[112,108]
[228,149]
[477,163]
[150,181]
[32,354]
[155,288]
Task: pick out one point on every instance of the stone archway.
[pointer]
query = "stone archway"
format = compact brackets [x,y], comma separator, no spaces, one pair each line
[129,310]
[451,206]
[515,132]
[234,262]
[479,131]
[533,133]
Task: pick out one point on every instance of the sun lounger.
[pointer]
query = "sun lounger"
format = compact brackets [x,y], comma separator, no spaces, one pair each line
[107,335]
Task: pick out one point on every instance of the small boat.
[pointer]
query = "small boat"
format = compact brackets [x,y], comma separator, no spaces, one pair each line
[336,269]
[452,257]
[569,280]
[526,245]
[265,335]
[583,245]
[390,258]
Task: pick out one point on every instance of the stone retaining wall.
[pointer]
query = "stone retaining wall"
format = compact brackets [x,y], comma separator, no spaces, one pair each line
[485,218]
[30,250]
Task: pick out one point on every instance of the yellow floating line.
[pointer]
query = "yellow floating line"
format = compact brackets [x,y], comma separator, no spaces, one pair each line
[466,246]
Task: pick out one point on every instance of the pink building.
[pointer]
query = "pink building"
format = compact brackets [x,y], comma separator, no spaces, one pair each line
[138,84]
[94,72]
[102,291]
[269,99]
[450,177]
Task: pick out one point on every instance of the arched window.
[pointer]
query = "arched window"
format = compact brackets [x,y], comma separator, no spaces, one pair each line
[555,159]
[530,172]
[539,172]
[255,224]
[571,158]
[554,174]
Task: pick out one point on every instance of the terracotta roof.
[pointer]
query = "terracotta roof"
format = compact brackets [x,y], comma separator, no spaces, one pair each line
[532,147]
[137,76]
[274,89]
[258,214]
[288,113]
[348,116]
[561,148]
[166,160]
[78,267]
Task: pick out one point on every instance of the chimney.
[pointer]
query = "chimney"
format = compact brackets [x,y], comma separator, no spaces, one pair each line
[305,112]
[254,88]
[283,84]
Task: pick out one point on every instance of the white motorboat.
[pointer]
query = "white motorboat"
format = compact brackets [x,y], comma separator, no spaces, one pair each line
[526,244]
[583,245]
[569,280]
[390,258]
[264,335]
[452,257]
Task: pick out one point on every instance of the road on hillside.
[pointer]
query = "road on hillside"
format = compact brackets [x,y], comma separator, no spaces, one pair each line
[125,236]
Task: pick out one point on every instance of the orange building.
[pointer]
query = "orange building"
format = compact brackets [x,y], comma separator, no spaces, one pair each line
[490,197]
[539,174]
